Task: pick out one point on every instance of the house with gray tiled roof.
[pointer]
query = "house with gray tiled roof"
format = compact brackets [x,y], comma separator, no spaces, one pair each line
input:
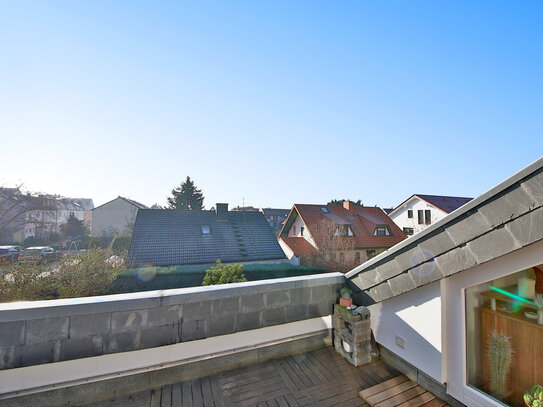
[115,217]
[437,297]
[174,237]
[419,211]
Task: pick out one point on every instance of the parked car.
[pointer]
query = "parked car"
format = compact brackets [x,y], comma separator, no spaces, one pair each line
[39,254]
[10,254]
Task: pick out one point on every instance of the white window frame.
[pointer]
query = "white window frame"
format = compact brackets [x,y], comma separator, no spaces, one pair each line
[453,330]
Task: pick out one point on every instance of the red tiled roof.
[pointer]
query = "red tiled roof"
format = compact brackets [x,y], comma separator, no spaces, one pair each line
[362,220]
[299,246]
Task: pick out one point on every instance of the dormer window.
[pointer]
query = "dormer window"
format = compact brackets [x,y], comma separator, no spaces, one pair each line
[382,231]
[205,230]
[324,210]
[344,231]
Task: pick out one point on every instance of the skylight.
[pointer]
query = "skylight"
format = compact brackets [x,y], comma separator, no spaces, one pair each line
[324,210]
[205,230]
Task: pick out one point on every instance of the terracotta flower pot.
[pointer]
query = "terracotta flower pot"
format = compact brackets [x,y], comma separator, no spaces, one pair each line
[345,302]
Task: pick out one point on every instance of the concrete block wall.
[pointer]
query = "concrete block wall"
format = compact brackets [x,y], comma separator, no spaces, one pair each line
[33,333]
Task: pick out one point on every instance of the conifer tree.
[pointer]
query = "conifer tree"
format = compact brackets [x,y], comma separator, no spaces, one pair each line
[186,197]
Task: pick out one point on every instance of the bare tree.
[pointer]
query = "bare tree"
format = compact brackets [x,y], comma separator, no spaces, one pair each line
[18,209]
[335,244]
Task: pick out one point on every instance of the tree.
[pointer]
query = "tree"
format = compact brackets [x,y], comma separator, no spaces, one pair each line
[333,245]
[73,228]
[340,202]
[186,197]
[224,274]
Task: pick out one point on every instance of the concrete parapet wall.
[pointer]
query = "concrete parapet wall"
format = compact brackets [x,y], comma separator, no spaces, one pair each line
[33,333]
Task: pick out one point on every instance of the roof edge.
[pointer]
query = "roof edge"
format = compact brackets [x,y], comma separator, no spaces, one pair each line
[523,173]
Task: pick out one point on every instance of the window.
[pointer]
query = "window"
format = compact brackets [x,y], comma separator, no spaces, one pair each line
[420,214]
[205,230]
[427,216]
[506,306]
[344,231]
[408,231]
[357,257]
[324,210]
[294,229]
[410,213]
[302,231]
[381,231]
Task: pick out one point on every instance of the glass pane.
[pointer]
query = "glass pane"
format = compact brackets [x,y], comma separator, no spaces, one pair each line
[504,341]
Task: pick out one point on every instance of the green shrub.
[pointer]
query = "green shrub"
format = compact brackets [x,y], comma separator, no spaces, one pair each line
[121,244]
[224,274]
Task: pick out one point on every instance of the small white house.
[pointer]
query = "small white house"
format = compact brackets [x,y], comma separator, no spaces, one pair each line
[436,297]
[420,211]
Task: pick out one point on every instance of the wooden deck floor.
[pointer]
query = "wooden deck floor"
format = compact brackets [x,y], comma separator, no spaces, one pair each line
[320,378]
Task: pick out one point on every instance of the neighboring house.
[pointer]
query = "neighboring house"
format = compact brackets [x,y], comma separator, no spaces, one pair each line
[419,211]
[39,215]
[436,297]
[348,232]
[275,217]
[115,217]
[176,237]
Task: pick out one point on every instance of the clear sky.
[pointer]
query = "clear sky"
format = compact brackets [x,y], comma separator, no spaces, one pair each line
[275,102]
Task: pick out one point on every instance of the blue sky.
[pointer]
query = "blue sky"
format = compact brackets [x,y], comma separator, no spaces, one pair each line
[274,102]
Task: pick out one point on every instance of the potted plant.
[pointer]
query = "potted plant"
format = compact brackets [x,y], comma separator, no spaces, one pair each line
[346,300]
[500,357]
[534,397]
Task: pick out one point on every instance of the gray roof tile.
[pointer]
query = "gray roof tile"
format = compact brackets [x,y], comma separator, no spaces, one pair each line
[170,237]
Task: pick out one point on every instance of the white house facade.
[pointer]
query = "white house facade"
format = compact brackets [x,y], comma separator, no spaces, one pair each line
[420,211]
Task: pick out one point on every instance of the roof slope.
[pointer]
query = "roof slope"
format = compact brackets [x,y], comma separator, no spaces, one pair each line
[130,201]
[504,219]
[445,203]
[299,246]
[170,237]
[362,219]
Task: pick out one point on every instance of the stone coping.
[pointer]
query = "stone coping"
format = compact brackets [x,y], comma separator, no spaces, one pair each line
[16,311]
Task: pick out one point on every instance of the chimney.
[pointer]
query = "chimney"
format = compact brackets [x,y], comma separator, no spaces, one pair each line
[221,209]
[348,205]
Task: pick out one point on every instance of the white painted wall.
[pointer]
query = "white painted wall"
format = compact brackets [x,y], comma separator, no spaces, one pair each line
[400,216]
[113,218]
[414,317]
[296,231]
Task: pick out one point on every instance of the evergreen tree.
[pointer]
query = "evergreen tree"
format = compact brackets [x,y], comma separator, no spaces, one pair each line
[73,227]
[340,202]
[186,197]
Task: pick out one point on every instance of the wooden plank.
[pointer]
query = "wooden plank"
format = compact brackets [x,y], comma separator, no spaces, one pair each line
[383,386]
[314,370]
[435,403]
[284,376]
[390,392]
[187,394]
[322,393]
[177,395]
[197,400]
[166,399]
[323,367]
[281,401]
[293,376]
[155,398]
[291,401]
[421,400]
[215,389]
[301,377]
[272,403]
[256,391]
[312,374]
[253,401]
[402,397]
[206,392]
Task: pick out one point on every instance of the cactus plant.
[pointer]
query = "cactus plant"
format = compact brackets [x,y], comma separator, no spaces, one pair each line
[500,357]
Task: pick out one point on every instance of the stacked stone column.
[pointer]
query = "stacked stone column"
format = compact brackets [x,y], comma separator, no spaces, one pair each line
[356,332]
